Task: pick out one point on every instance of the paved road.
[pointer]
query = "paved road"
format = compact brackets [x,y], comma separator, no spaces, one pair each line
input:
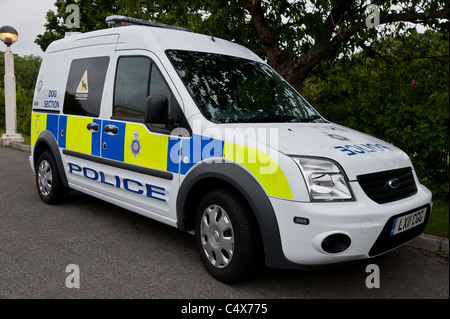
[124,255]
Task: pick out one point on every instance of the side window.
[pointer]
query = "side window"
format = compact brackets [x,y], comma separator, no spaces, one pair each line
[84,86]
[158,86]
[137,78]
[131,87]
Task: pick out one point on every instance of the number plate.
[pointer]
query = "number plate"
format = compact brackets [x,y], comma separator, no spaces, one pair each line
[409,221]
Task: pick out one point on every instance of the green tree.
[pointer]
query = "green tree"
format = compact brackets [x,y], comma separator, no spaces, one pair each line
[92,17]
[397,90]
[24,100]
[26,69]
[294,36]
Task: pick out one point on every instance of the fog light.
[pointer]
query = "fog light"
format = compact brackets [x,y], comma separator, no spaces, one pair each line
[336,243]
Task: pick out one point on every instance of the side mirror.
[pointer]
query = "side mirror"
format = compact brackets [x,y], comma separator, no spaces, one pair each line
[157,110]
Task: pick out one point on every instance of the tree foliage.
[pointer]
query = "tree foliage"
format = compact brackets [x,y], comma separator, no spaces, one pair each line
[26,69]
[398,91]
[92,17]
[294,36]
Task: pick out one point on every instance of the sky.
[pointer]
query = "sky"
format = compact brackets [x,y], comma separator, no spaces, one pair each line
[28,18]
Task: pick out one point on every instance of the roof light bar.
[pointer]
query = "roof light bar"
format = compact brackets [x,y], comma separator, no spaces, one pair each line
[118,21]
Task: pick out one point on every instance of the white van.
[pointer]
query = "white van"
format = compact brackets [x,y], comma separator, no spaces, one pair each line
[201,134]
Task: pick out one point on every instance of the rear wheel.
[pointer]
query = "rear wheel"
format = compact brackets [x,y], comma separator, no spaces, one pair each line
[227,236]
[50,188]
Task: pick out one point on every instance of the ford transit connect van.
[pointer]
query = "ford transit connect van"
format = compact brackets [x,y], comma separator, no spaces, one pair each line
[201,134]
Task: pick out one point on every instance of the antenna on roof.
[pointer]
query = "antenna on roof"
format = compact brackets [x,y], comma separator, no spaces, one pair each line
[212,38]
[119,21]
[209,31]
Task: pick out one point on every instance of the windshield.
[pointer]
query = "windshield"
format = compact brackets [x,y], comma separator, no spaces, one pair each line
[232,90]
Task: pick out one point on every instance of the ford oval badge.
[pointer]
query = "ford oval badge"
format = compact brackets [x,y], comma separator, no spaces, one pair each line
[394,183]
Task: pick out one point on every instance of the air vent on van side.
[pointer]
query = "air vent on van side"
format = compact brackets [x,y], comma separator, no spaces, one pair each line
[388,186]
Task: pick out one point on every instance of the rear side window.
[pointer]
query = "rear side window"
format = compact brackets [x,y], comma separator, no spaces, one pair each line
[84,86]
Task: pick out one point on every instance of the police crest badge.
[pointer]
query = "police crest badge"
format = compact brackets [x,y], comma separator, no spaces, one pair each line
[135,145]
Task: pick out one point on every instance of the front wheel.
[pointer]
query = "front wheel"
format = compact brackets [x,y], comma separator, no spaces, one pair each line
[227,236]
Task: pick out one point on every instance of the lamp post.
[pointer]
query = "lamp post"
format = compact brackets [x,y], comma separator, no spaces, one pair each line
[9,35]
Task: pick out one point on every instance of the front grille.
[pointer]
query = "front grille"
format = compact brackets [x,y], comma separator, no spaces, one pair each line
[377,185]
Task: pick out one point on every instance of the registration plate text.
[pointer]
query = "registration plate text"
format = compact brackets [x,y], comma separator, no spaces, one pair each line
[408,221]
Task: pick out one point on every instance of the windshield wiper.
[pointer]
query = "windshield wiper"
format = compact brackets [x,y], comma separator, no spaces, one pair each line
[273,119]
[310,119]
[270,118]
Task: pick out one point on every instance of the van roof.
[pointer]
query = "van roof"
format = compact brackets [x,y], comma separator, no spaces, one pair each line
[151,36]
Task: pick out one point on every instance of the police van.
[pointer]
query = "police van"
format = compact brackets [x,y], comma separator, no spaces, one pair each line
[201,134]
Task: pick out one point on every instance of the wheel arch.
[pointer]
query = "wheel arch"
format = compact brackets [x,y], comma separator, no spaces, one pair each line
[47,142]
[228,174]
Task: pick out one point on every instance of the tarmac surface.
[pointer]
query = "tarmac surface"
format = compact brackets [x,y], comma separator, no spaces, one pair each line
[121,255]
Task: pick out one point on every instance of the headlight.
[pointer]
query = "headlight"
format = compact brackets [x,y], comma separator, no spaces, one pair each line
[325,180]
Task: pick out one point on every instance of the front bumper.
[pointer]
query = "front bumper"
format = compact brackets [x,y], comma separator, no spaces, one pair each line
[361,227]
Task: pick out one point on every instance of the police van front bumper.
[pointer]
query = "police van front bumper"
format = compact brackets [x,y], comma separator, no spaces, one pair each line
[322,233]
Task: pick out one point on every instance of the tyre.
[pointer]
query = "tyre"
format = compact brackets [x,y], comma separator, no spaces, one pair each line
[227,236]
[50,188]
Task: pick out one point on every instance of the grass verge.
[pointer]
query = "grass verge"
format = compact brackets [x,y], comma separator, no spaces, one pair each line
[438,223]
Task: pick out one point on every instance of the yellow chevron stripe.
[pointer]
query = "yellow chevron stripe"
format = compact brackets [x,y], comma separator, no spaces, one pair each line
[262,166]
